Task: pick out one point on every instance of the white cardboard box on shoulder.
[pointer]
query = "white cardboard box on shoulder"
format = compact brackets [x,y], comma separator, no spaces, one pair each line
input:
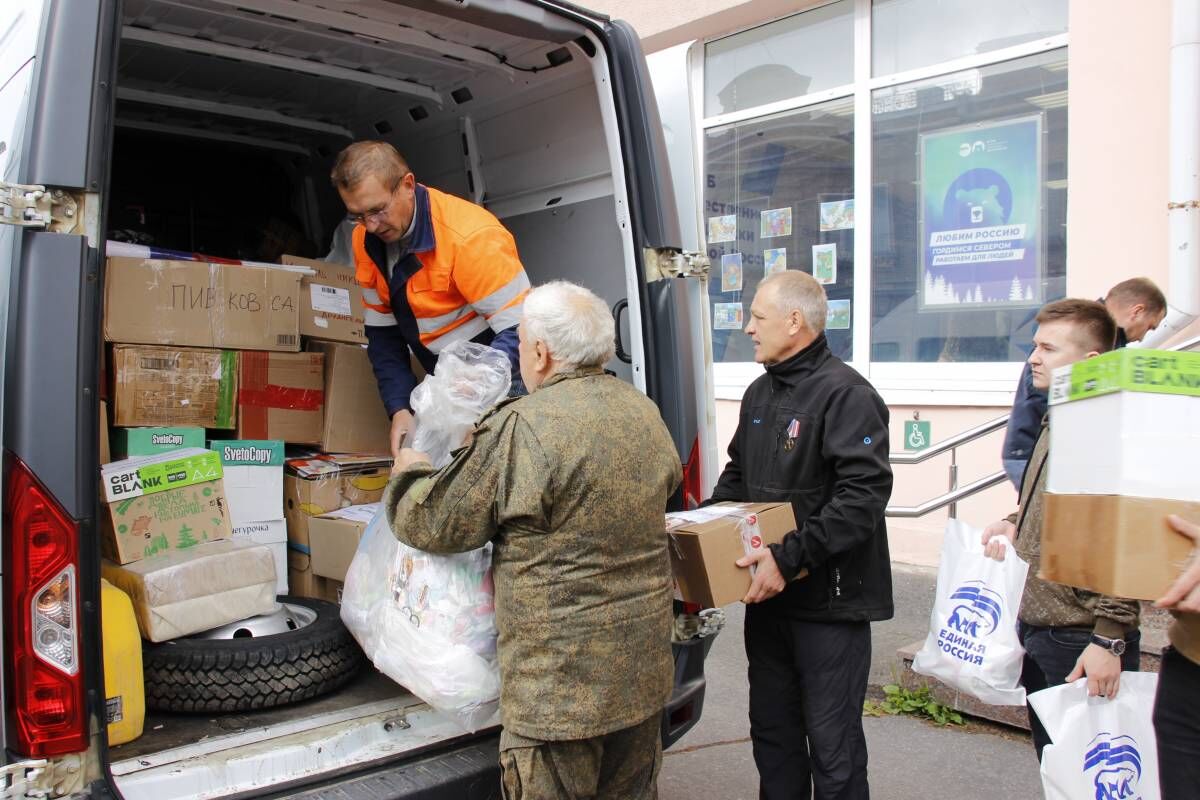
[1124,438]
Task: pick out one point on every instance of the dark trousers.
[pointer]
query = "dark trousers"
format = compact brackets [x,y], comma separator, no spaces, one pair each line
[1050,655]
[1177,727]
[808,681]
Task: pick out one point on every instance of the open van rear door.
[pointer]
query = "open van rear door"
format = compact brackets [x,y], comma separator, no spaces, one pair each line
[662,189]
[56,114]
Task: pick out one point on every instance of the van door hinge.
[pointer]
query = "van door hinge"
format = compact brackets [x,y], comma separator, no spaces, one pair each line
[664,262]
[18,779]
[38,207]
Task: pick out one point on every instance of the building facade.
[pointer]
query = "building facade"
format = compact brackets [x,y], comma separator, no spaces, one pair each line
[944,167]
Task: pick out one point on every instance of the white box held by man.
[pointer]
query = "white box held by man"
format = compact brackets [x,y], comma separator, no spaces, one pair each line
[1124,434]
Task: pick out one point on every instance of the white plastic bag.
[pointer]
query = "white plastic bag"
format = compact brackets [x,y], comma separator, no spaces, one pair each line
[427,622]
[1103,749]
[470,378]
[972,643]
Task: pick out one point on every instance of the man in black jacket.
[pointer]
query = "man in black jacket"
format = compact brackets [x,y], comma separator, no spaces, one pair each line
[813,432]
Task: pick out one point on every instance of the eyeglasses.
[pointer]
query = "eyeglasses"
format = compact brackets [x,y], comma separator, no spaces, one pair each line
[376,214]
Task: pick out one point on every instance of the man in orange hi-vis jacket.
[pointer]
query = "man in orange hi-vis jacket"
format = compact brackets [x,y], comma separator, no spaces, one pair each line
[434,270]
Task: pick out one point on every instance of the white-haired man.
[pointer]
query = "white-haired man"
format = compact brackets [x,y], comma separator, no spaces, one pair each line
[583,587]
[812,432]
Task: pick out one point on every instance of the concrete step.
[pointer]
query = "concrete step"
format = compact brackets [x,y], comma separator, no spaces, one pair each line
[1154,638]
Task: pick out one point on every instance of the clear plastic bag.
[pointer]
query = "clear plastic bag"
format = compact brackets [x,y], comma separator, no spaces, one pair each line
[428,621]
[470,378]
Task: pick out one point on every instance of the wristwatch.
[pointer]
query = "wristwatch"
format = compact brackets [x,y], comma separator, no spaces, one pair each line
[1114,646]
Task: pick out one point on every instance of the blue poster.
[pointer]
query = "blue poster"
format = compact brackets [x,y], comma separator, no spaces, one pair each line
[981,191]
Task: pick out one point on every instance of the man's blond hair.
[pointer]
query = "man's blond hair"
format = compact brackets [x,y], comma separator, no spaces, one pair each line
[368,159]
[799,291]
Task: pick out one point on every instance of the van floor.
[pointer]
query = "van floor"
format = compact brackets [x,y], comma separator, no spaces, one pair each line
[168,731]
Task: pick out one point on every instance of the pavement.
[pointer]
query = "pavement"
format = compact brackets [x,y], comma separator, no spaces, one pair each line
[910,759]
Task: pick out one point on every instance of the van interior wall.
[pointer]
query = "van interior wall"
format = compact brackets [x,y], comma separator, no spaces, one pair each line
[542,158]
[579,243]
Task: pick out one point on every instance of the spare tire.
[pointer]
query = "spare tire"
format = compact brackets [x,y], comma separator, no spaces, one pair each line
[205,675]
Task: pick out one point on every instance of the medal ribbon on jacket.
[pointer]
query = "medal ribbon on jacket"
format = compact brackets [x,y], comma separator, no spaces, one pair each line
[793,432]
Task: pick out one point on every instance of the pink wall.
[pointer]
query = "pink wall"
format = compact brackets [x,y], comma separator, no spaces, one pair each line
[1117,144]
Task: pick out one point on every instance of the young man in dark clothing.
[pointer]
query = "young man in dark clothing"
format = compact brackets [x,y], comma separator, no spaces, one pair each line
[1067,633]
[813,432]
[1177,704]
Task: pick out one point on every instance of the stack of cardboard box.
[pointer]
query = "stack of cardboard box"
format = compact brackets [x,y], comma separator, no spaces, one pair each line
[165,545]
[248,360]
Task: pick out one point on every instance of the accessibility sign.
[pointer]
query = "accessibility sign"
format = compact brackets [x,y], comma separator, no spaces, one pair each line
[917,434]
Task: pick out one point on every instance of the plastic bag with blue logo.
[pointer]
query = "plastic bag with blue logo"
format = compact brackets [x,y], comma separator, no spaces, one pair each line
[972,644]
[427,622]
[1103,749]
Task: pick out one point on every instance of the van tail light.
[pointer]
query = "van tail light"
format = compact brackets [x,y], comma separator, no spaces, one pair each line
[691,478]
[41,618]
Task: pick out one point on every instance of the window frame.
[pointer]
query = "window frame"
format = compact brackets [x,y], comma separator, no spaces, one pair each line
[990,383]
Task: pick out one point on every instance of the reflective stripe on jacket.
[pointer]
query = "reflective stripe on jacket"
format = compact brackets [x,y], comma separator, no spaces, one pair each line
[468,278]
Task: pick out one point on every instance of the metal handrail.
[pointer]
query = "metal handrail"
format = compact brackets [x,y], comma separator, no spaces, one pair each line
[948,499]
[957,440]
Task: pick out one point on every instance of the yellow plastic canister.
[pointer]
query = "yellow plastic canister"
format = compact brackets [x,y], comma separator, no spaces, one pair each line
[124,689]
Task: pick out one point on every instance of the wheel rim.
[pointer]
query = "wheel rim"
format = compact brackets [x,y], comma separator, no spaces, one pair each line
[285,618]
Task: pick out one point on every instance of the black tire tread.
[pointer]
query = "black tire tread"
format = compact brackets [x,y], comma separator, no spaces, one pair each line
[212,676]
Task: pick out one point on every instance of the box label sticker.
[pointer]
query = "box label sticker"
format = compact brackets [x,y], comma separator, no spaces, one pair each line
[114,709]
[330,299]
[1130,370]
[162,476]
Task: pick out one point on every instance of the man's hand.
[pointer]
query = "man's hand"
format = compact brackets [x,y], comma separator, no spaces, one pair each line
[1184,594]
[768,580]
[994,537]
[1103,671]
[401,422]
[407,458]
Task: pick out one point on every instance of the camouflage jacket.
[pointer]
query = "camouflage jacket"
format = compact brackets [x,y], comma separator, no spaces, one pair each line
[570,483]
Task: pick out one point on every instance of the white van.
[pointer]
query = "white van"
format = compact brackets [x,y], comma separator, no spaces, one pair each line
[210,126]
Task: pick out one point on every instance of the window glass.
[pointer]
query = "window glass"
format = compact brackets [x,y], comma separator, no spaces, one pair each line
[907,34]
[968,211]
[780,195]
[792,57]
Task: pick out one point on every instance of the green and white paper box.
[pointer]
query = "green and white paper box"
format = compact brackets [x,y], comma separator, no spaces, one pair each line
[131,442]
[253,479]
[1126,423]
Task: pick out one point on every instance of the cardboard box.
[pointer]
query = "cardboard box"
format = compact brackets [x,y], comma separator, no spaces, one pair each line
[355,418]
[281,396]
[1119,546]
[156,301]
[128,442]
[303,583]
[180,593]
[157,504]
[333,539]
[170,386]
[316,486]
[331,304]
[705,543]
[272,534]
[253,475]
[1126,423]
[105,447]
